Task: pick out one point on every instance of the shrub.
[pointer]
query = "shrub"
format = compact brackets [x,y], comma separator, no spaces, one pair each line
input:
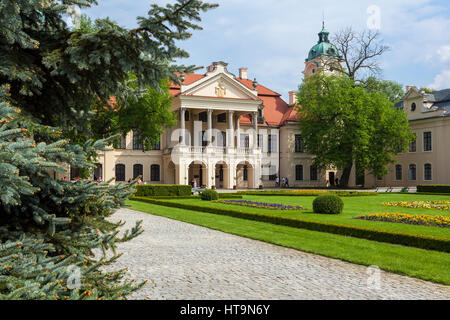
[328,204]
[163,191]
[210,195]
[436,188]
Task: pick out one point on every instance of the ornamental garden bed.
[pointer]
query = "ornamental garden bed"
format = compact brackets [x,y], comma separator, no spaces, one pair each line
[409,235]
[260,205]
[422,220]
[439,205]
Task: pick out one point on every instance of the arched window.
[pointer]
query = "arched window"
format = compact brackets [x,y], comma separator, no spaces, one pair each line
[413,107]
[398,172]
[155,172]
[412,172]
[428,172]
[120,172]
[138,170]
[245,173]
[299,172]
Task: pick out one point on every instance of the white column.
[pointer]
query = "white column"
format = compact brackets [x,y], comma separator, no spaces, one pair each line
[255,128]
[183,126]
[210,126]
[238,132]
[230,138]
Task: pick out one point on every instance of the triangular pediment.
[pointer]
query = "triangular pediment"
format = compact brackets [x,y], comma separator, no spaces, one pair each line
[413,93]
[220,85]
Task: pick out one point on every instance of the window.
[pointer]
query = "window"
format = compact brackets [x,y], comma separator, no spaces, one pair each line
[299,143]
[157,145]
[222,118]
[221,139]
[413,107]
[98,171]
[122,143]
[412,172]
[186,115]
[413,145]
[202,140]
[272,143]
[428,173]
[260,141]
[155,172]
[299,173]
[74,173]
[138,170]
[245,173]
[120,172]
[203,116]
[398,172]
[427,143]
[245,140]
[313,173]
[137,141]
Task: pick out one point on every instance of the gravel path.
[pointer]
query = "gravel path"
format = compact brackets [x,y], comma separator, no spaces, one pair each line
[183,261]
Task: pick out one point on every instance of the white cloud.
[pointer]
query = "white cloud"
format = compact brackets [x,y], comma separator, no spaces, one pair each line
[441,81]
[444,53]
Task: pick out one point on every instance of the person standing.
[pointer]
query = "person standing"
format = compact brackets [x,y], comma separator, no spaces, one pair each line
[287,182]
[277,181]
[283,182]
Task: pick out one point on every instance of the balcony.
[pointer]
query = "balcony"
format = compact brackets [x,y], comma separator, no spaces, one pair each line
[189,150]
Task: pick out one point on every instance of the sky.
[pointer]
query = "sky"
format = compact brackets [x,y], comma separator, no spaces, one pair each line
[272,38]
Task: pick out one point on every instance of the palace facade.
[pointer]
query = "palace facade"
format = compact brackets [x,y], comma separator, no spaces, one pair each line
[233,132]
[428,158]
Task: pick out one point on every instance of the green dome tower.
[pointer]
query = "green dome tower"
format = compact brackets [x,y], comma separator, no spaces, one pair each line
[321,52]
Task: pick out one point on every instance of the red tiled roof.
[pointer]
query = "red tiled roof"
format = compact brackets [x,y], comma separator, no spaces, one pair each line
[275,107]
[290,115]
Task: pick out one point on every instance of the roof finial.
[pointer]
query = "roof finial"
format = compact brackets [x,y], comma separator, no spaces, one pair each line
[323,19]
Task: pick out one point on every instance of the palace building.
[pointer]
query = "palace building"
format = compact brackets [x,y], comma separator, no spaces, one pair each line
[428,158]
[234,133]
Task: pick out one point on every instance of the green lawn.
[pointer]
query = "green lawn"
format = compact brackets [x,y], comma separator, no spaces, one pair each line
[354,206]
[419,263]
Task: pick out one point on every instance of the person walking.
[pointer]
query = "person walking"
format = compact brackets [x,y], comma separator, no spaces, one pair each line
[277,181]
[287,182]
[283,182]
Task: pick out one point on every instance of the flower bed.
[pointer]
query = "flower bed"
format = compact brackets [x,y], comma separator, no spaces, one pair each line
[440,205]
[260,205]
[423,220]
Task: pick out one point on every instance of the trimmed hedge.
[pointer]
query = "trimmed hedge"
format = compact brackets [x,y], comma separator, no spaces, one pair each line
[434,188]
[328,204]
[405,239]
[163,190]
[221,196]
[308,194]
[209,195]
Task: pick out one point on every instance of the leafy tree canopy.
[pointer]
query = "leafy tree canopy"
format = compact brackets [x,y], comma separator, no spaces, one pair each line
[393,90]
[343,123]
[56,73]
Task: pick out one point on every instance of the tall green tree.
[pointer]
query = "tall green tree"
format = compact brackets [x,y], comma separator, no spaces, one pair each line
[393,90]
[343,123]
[54,75]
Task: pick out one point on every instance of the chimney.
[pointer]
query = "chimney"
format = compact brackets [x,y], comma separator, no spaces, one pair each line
[292,97]
[243,73]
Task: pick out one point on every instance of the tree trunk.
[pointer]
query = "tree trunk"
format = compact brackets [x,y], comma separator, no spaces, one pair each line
[343,183]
